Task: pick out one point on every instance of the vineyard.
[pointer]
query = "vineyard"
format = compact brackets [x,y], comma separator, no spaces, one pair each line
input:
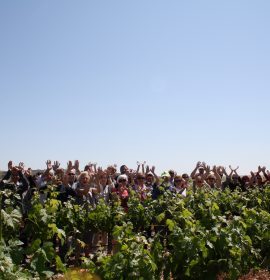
[202,236]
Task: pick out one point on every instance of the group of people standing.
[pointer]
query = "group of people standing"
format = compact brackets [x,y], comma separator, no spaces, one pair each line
[93,183]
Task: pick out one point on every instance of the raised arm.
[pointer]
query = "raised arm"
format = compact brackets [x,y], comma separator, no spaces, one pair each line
[218,178]
[193,173]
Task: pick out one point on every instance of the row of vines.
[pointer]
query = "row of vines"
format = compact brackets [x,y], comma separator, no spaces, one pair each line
[197,237]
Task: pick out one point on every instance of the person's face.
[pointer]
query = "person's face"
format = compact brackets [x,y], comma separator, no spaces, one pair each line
[201,170]
[122,183]
[84,180]
[111,170]
[124,169]
[211,181]
[149,179]
[71,177]
[177,182]
[199,182]
[235,178]
[103,180]
[185,177]
[140,180]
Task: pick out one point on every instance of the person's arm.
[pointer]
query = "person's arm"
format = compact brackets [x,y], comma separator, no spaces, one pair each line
[218,178]
[206,172]
[56,165]
[77,167]
[25,183]
[155,175]
[263,169]
[192,175]
[138,167]
[69,167]
[252,178]
[235,171]
[231,173]
[49,167]
[143,170]
[7,175]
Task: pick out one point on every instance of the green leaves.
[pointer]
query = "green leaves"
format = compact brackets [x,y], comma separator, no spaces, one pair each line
[196,237]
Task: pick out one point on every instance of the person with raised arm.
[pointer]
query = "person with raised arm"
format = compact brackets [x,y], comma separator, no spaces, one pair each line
[259,180]
[233,180]
[213,178]
[200,170]
[16,180]
[140,187]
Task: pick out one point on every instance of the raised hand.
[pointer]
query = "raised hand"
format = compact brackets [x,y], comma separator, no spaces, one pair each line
[10,165]
[21,166]
[49,164]
[56,165]
[198,164]
[69,165]
[28,172]
[76,165]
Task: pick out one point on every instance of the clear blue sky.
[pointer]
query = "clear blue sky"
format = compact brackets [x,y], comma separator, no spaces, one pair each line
[169,82]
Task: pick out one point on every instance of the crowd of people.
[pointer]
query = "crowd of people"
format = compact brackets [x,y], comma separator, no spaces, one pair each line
[88,186]
[95,182]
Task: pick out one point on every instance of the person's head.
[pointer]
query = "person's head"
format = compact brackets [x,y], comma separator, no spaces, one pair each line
[165,176]
[123,169]
[245,180]
[49,176]
[71,176]
[185,176]
[150,178]
[201,170]
[211,180]
[122,180]
[235,178]
[199,181]
[172,173]
[103,178]
[178,180]
[15,174]
[140,179]
[84,178]
[111,170]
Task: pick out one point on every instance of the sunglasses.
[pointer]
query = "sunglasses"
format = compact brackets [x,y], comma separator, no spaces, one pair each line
[122,181]
[71,174]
